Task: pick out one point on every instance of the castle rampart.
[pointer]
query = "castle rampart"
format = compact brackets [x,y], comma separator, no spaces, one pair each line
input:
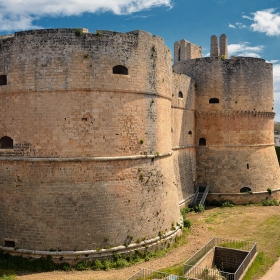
[234,123]
[90,162]
[101,141]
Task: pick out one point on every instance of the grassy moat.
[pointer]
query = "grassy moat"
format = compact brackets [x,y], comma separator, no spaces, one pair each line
[250,223]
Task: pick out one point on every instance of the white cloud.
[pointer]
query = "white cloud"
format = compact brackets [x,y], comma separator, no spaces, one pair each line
[250,18]
[231,25]
[266,21]
[20,14]
[240,25]
[272,61]
[244,49]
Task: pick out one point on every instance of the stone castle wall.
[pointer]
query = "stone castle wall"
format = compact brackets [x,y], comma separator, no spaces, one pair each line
[234,117]
[102,159]
[91,163]
[183,134]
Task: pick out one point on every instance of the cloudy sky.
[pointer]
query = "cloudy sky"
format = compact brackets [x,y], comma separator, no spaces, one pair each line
[252,26]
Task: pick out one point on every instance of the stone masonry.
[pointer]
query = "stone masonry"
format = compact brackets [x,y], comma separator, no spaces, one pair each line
[100,140]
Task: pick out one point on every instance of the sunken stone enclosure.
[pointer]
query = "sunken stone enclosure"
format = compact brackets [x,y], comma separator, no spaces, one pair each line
[102,142]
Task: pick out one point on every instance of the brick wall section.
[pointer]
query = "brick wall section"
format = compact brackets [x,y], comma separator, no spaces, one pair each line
[184,50]
[99,114]
[225,169]
[76,205]
[183,134]
[228,260]
[63,101]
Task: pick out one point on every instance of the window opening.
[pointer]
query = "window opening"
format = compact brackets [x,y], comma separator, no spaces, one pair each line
[6,143]
[179,54]
[190,133]
[180,94]
[120,69]
[202,142]
[10,243]
[214,100]
[3,80]
[247,166]
[245,190]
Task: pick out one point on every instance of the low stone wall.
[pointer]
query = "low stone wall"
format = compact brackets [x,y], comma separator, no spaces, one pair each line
[244,198]
[228,260]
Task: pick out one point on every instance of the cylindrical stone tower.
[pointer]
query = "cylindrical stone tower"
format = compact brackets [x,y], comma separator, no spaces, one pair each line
[223,46]
[85,158]
[215,52]
[234,124]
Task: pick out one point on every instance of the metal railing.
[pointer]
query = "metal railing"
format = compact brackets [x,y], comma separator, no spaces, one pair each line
[198,255]
[148,274]
[206,191]
[192,271]
[246,262]
[208,273]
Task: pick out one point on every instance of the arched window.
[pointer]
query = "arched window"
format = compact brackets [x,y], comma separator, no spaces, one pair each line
[190,133]
[120,69]
[202,142]
[245,190]
[180,94]
[6,143]
[214,100]
[3,80]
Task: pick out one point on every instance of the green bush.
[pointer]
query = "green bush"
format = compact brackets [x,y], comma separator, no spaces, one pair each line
[199,208]
[185,211]
[269,190]
[79,31]
[269,202]
[187,223]
[227,203]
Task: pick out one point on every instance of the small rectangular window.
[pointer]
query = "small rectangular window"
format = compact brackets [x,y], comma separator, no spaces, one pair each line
[10,243]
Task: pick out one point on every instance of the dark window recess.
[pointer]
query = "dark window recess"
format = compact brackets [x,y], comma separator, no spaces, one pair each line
[214,100]
[120,69]
[245,190]
[3,80]
[248,166]
[10,243]
[190,133]
[6,143]
[202,142]
[84,119]
[180,94]
[179,54]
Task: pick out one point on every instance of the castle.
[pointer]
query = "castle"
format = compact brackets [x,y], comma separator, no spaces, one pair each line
[102,140]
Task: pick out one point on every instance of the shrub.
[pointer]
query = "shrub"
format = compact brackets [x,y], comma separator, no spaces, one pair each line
[269,202]
[185,210]
[79,31]
[187,223]
[227,203]
[269,190]
[199,208]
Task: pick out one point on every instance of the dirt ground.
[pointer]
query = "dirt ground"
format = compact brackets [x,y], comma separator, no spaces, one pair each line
[239,222]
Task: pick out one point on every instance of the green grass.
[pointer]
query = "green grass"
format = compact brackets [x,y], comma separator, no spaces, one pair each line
[10,263]
[7,274]
[256,266]
[176,269]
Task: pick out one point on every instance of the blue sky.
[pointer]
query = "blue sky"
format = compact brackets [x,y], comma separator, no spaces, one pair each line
[252,26]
